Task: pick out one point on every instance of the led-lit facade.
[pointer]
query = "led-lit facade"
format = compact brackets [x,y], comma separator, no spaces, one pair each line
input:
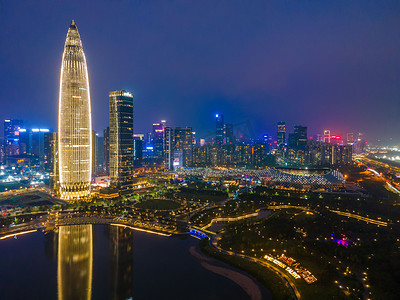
[281,134]
[219,138]
[74,121]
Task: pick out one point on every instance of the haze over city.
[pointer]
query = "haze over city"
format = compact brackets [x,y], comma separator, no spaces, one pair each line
[200,150]
[329,65]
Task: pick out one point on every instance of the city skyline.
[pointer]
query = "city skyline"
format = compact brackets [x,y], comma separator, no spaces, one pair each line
[246,150]
[335,80]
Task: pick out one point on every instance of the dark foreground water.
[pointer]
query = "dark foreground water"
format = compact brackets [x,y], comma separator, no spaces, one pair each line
[108,262]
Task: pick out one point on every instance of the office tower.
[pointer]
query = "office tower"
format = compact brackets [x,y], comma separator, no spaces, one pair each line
[99,155]
[51,157]
[168,148]
[74,121]
[242,155]
[138,140]
[121,141]
[158,136]
[292,141]
[202,155]
[281,134]
[228,134]
[226,154]
[327,136]
[94,150]
[344,155]
[350,138]
[106,143]
[301,136]
[219,138]
[31,143]
[49,147]
[11,137]
[25,141]
[259,155]
[183,146]
[2,154]
[38,144]
[75,262]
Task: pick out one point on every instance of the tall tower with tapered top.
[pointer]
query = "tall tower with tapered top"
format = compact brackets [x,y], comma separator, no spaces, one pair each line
[74,121]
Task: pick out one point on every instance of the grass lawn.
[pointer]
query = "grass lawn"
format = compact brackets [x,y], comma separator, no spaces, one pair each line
[158,204]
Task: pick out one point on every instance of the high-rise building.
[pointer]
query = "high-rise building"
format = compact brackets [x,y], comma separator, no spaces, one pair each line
[169,148]
[281,134]
[184,145]
[25,141]
[74,121]
[259,155]
[219,138]
[31,143]
[229,138]
[350,138]
[11,136]
[106,143]
[327,136]
[94,153]
[158,136]
[301,136]
[138,140]
[2,153]
[99,155]
[51,157]
[121,141]
[292,141]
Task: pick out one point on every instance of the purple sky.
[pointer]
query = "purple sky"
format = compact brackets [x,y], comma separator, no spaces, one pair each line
[324,64]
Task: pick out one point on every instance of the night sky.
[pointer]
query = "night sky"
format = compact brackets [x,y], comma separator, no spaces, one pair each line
[324,64]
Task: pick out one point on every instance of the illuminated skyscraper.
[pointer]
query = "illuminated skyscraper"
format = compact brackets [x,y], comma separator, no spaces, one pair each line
[281,134]
[158,139]
[74,121]
[11,137]
[106,143]
[301,136]
[168,148]
[327,136]
[121,141]
[183,149]
[219,138]
[138,140]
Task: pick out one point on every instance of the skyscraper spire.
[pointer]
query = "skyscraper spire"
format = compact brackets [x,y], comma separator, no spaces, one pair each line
[74,121]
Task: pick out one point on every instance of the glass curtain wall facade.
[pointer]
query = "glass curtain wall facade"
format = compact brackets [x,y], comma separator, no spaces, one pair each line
[121,141]
[74,121]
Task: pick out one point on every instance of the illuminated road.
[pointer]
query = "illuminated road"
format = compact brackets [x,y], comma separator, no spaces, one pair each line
[358,217]
[375,163]
[369,163]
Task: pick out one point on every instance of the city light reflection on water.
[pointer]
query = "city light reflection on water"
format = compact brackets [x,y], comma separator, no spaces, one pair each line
[107,262]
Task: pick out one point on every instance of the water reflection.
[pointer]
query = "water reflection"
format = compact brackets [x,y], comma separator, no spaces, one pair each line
[121,258]
[75,262]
